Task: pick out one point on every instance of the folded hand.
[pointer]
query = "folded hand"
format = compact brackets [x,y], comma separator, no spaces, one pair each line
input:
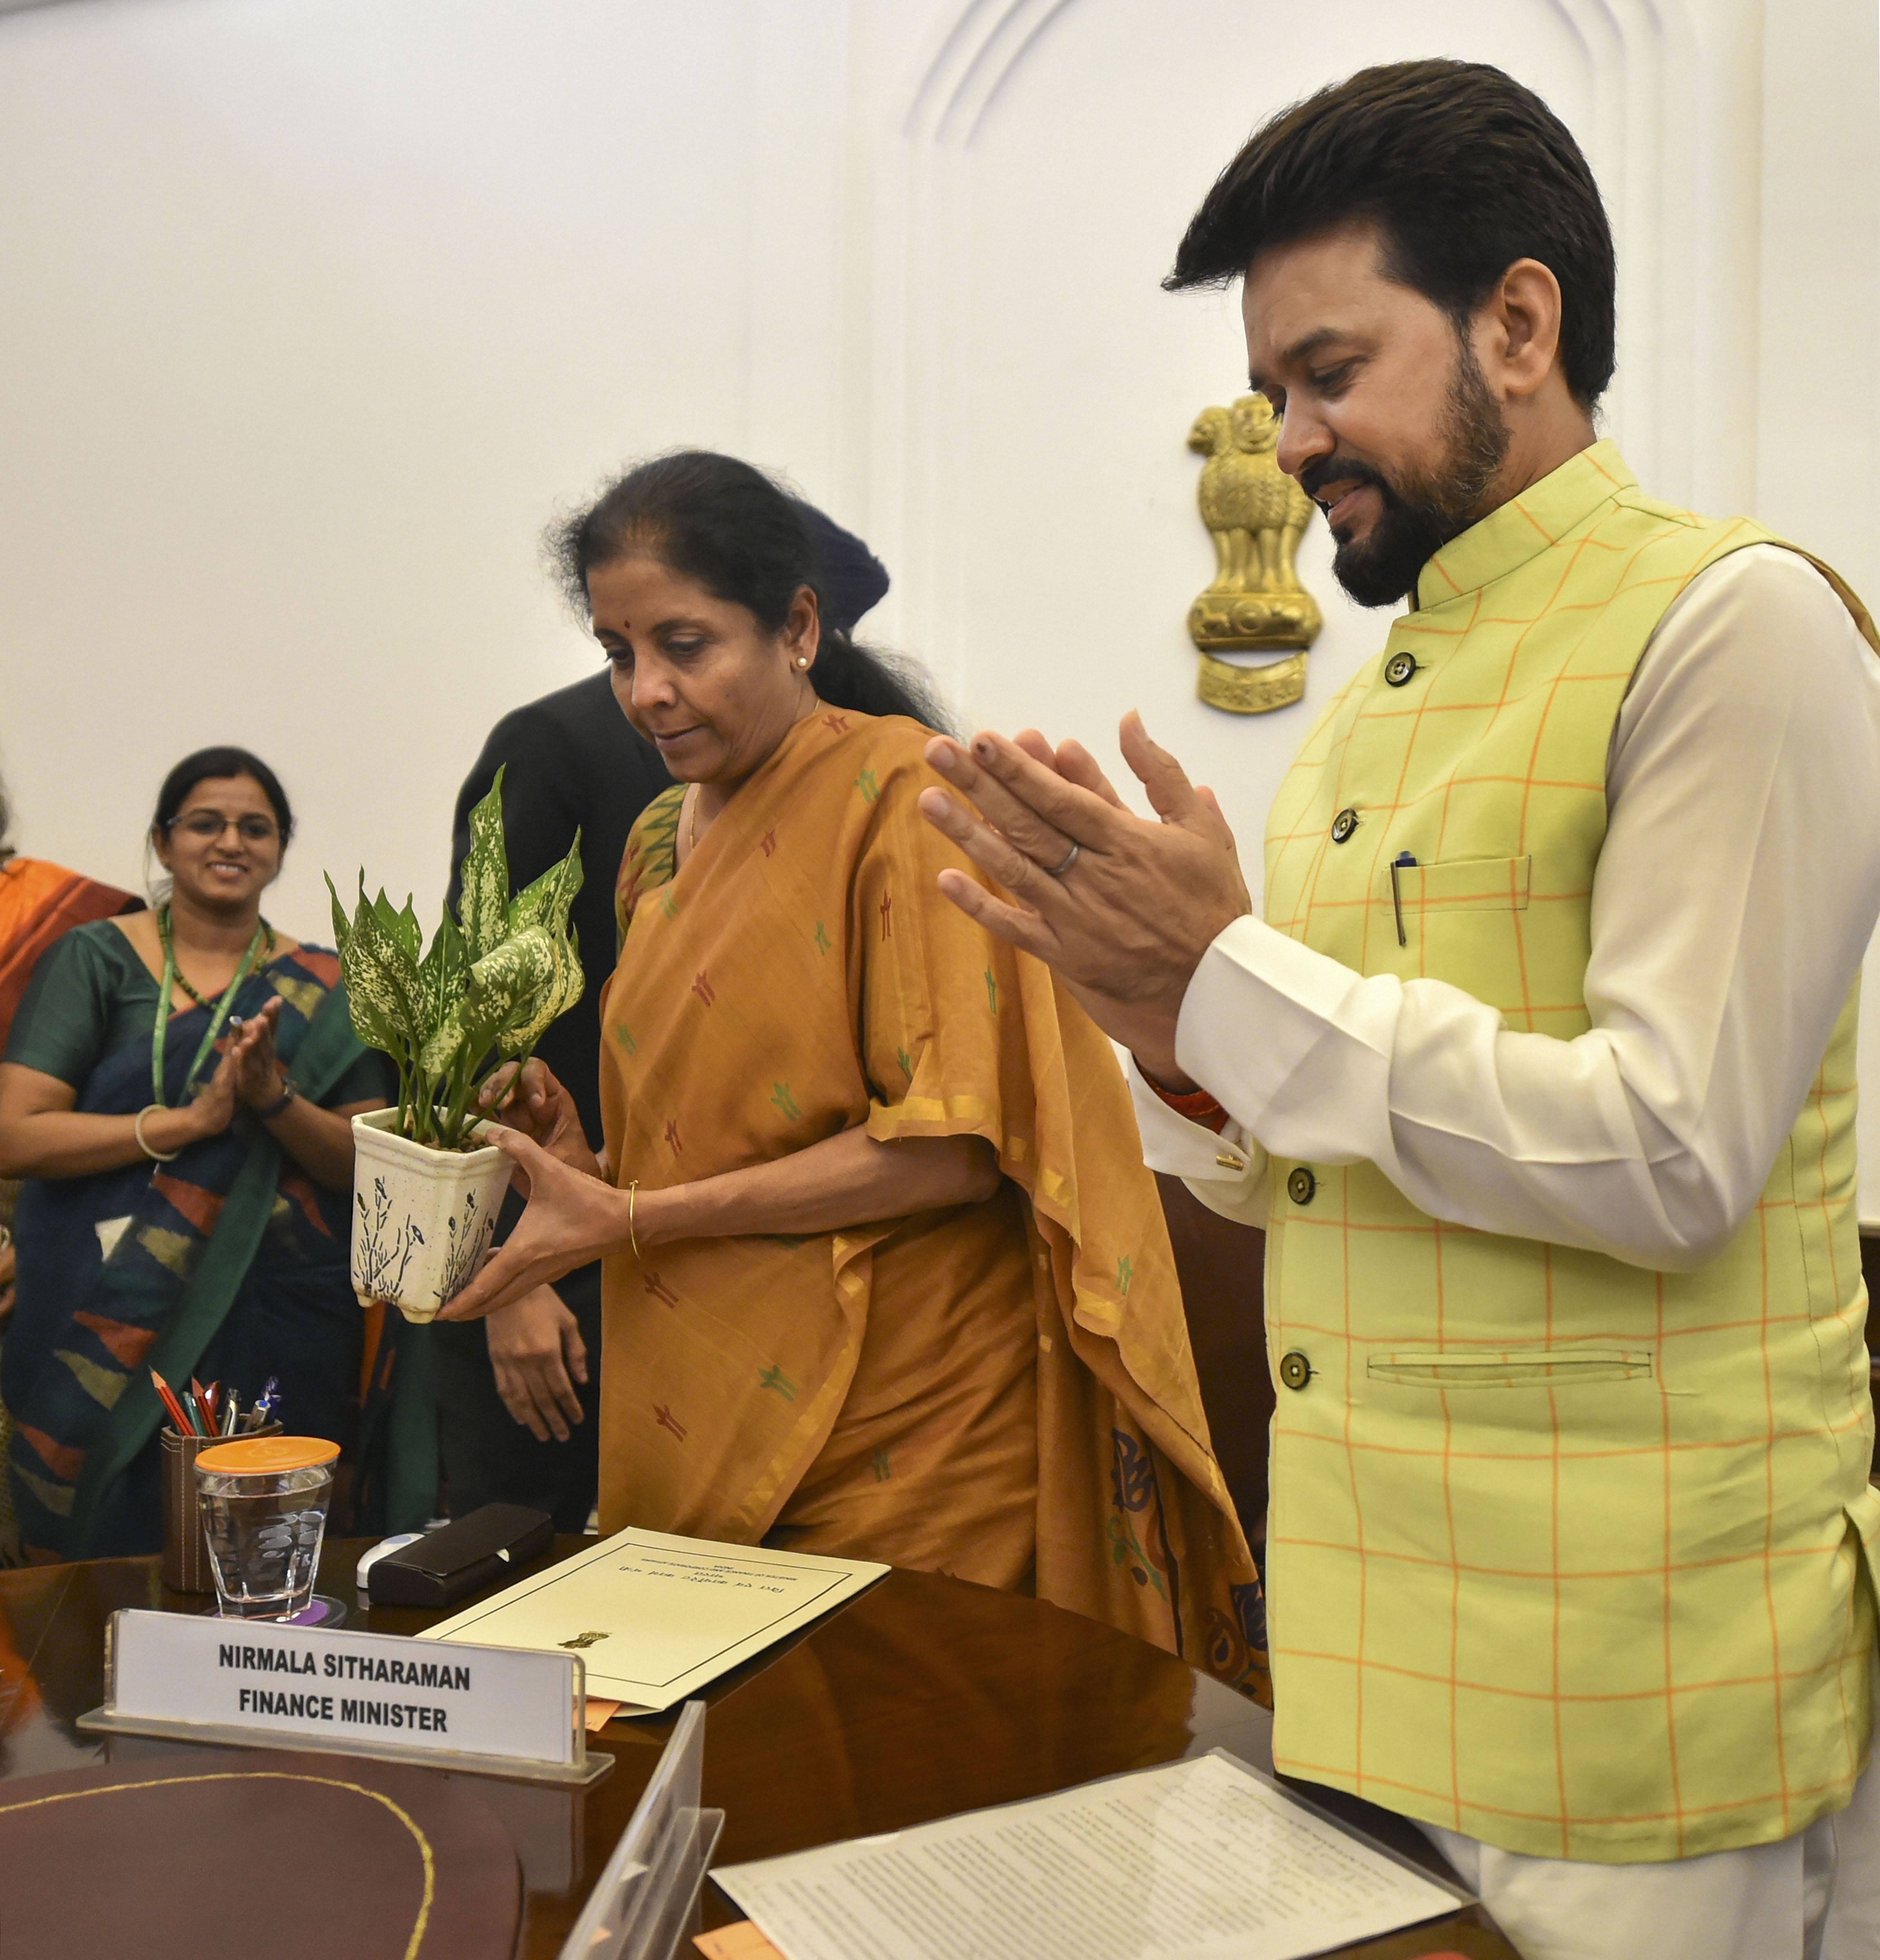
[258,1076]
[1122,907]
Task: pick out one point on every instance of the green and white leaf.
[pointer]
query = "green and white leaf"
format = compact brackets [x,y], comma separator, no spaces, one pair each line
[382,985]
[501,988]
[401,927]
[342,925]
[549,900]
[443,974]
[482,904]
[567,983]
[410,933]
[505,985]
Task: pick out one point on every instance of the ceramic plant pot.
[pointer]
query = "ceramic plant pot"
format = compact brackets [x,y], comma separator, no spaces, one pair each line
[422,1219]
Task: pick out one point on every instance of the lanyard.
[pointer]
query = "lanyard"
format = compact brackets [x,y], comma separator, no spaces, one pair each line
[217,1020]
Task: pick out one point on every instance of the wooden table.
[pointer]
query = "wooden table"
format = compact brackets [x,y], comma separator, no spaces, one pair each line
[924,1697]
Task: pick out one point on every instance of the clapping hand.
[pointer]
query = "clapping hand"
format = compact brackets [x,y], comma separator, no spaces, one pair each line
[1122,907]
[258,1077]
[211,1108]
[248,1073]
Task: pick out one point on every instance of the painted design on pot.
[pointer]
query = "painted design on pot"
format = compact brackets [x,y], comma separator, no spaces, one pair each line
[466,1250]
[424,1217]
[379,1261]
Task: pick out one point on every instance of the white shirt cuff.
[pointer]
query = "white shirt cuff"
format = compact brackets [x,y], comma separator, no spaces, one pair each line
[1297,1046]
[1227,1173]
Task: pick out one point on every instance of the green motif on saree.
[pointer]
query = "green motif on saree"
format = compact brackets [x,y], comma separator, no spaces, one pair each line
[1125,1273]
[991,991]
[780,1094]
[775,1378]
[870,787]
[822,938]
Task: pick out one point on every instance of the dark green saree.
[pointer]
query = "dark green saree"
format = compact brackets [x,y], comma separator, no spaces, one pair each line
[227,1263]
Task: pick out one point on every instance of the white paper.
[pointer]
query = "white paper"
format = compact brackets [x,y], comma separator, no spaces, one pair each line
[1201,1858]
[656,1618]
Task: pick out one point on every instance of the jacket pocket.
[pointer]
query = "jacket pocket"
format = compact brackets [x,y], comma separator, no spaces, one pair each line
[1464,885]
[1513,1368]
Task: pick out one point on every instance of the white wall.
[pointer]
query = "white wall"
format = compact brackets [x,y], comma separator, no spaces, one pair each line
[317,309]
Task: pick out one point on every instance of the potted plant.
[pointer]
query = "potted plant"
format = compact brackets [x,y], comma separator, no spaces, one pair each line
[425,1194]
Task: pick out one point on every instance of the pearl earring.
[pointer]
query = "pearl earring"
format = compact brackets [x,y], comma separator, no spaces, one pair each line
[802,663]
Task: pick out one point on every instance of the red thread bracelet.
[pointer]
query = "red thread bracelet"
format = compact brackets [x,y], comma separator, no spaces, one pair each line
[1196,1105]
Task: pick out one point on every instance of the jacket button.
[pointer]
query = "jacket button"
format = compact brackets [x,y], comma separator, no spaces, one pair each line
[1399,668]
[1343,824]
[1295,1370]
[1301,1186]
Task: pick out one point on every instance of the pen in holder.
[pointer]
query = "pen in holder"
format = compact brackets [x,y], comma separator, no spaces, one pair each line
[186,1566]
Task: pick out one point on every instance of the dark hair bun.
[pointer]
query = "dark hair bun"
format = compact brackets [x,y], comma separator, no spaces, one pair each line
[747,541]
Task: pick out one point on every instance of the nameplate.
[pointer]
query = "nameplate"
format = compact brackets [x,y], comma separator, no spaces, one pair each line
[497,1710]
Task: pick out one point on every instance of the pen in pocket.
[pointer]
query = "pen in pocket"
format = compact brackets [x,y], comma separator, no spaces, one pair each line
[1403,861]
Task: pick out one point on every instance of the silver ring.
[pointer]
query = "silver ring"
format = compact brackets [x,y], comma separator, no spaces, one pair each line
[1058,871]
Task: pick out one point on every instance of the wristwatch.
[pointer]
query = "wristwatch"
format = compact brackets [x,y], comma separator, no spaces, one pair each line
[269,1111]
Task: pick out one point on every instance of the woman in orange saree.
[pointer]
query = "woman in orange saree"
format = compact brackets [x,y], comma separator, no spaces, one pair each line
[884,1274]
[40,902]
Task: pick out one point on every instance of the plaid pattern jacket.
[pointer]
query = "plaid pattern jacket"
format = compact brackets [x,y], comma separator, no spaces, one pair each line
[1563,1554]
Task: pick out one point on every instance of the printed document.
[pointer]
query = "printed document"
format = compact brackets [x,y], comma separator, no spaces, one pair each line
[1205,1858]
[654,1617]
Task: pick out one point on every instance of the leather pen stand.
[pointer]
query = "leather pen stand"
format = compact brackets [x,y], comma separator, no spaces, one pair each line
[186,1566]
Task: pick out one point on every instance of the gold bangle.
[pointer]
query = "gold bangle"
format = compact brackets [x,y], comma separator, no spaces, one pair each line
[633,1205]
[137,1130]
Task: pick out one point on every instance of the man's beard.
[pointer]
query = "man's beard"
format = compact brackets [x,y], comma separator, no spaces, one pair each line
[1422,513]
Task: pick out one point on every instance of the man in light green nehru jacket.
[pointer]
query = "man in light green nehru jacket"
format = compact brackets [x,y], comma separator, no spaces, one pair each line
[1538,1070]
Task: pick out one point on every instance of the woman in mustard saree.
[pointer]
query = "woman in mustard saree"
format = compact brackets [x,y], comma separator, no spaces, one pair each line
[884,1274]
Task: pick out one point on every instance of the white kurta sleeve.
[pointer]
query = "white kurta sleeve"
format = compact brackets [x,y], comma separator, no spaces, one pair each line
[1733,901]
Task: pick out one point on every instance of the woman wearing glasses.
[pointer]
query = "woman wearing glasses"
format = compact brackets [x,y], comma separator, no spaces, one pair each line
[178,1086]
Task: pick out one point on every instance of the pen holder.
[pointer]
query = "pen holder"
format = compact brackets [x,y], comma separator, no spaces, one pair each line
[186,1566]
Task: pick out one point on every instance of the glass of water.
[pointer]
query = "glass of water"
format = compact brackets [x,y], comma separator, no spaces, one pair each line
[263,1502]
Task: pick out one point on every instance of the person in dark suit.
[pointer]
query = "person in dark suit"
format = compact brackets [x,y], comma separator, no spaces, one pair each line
[516,1393]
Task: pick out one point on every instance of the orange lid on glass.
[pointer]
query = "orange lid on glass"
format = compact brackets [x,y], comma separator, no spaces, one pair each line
[266,1455]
